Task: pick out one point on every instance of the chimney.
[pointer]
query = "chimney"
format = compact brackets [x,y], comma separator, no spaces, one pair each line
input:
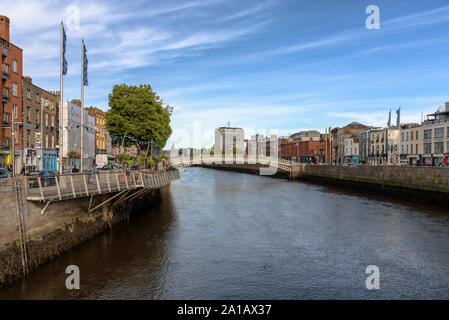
[4,28]
[28,79]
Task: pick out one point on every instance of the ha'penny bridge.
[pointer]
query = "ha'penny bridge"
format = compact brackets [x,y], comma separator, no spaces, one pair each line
[263,162]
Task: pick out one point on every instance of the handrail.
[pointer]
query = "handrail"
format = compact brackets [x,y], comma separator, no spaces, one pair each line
[78,185]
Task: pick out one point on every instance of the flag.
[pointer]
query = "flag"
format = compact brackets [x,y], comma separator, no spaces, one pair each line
[398,120]
[85,63]
[389,120]
[64,61]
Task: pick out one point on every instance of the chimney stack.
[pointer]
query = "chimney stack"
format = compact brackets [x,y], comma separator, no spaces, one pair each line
[4,28]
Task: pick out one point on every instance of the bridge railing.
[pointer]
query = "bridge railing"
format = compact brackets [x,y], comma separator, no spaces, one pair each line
[231,159]
[53,188]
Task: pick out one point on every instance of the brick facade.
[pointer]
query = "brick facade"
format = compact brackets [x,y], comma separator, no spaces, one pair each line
[11,91]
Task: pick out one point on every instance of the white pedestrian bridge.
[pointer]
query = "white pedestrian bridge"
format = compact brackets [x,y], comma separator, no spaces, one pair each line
[281,164]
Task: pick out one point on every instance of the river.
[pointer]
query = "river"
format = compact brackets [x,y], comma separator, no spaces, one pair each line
[225,235]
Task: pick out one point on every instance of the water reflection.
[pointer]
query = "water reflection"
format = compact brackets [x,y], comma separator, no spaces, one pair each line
[223,235]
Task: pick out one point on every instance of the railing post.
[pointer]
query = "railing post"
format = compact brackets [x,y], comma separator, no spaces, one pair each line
[107,179]
[85,185]
[73,187]
[118,182]
[98,183]
[134,179]
[40,189]
[141,180]
[57,186]
[126,180]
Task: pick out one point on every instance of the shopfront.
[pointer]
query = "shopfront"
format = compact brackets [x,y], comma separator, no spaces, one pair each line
[49,160]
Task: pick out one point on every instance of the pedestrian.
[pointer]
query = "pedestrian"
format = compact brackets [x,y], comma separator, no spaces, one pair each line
[75,169]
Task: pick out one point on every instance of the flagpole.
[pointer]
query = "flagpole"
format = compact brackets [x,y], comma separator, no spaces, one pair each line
[82,105]
[61,124]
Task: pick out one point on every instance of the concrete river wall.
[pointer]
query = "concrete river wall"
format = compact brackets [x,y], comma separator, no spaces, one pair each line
[30,236]
[425,185]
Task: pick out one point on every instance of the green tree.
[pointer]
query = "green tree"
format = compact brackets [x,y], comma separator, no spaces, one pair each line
[138,112]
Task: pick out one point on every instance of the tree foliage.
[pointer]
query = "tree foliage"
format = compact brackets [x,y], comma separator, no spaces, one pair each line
[138,112]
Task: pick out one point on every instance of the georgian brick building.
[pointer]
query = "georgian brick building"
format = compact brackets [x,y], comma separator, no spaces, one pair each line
[11,105]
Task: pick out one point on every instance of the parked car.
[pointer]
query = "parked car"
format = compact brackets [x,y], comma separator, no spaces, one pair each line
[109,167]
[4,173]
[47,178]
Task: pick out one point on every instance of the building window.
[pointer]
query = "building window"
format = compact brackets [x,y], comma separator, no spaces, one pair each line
[411,147]
[28,94]
[439,147]
[416,149]
[14,66]
[14,111]
[14,89]
[439,133]
[28,139]
[428,134]
[427,148]
[37,97]
[15,137]
[416,135]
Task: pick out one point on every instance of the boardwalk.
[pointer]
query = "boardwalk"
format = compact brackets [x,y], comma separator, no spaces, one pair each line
[80,185]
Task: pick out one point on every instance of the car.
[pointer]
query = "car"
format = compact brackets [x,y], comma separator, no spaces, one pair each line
[109,167]
[4,173]
[47,178]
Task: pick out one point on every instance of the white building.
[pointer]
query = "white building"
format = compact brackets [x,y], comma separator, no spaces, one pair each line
[351,150]
[71,133]
[227,138]
[384,146]
[410,136]
[436,137]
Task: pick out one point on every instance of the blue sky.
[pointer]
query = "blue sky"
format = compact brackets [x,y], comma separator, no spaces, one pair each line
[262,65]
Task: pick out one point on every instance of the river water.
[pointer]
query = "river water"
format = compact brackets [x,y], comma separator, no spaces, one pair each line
[225,235]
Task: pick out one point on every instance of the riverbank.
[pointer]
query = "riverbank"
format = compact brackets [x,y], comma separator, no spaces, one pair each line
[29,239]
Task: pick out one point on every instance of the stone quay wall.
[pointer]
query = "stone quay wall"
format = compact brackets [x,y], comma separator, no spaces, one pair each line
[63,225]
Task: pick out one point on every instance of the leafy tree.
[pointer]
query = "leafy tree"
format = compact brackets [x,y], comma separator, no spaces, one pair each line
[138,112]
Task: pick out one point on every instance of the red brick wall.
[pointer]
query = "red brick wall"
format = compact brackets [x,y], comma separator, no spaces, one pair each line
[14,53]
[307,148]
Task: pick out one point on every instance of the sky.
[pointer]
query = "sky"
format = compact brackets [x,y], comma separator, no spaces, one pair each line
[276,66]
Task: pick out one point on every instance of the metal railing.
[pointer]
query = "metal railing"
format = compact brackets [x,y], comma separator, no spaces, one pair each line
[78,185]
[282,164]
